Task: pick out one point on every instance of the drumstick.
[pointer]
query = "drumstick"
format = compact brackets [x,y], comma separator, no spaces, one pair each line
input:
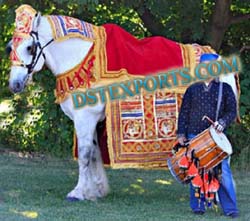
[206,117]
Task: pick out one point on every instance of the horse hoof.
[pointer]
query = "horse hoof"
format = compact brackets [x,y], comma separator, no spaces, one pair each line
[72,199]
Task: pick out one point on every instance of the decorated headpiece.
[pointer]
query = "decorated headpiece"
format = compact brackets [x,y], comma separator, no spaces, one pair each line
[25,15]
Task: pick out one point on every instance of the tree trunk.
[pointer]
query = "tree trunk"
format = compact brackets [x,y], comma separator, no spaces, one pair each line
[222,18]
[153,24]
[220,22]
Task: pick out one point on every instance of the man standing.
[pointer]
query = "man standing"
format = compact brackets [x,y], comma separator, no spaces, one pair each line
[201,99]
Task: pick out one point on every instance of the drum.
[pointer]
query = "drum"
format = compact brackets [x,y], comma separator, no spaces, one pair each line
[208,147]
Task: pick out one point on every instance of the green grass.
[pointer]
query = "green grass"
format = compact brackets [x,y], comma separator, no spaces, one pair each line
[35,189]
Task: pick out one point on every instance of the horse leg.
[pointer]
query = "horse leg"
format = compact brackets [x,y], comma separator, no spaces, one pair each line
[92,181]
[97,169]
[85,188]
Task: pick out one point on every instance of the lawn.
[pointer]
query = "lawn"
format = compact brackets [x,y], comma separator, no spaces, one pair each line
[35,189]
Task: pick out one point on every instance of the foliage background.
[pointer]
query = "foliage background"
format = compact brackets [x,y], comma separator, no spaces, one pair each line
[32,122]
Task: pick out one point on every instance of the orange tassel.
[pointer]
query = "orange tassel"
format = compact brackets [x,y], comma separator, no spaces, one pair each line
[192,171]
[213,186]
[197,184]
[197,181]
[184,163]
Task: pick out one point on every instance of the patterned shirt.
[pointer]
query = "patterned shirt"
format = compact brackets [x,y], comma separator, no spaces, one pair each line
[200,100]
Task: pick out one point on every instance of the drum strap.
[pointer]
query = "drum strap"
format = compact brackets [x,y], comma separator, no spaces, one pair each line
[219,100]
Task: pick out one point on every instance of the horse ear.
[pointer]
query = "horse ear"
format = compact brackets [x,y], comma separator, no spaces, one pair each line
[36,21]
[8,48]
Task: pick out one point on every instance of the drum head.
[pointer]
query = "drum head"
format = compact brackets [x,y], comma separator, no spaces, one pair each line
[221,140]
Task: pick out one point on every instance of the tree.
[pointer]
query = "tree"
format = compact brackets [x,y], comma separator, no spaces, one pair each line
[222,18]
[206,21]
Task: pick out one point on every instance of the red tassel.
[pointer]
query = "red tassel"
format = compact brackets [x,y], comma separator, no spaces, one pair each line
[70,84]
[88,72]
[184,163]
[79,79]
[61,87]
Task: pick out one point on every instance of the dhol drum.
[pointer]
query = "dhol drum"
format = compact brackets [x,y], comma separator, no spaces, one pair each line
[208,147]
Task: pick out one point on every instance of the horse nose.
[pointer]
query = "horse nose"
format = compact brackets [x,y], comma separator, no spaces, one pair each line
[16,86]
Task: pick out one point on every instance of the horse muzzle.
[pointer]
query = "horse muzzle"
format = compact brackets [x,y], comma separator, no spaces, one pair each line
[16,86]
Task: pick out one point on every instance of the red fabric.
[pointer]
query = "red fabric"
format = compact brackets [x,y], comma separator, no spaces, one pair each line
[140,57]
[102,140]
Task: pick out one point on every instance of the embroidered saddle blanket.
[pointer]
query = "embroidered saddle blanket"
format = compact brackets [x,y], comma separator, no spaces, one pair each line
[140,131]
[117,55]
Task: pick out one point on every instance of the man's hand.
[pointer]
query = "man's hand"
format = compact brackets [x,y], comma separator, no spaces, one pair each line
[218,127]
[182,140]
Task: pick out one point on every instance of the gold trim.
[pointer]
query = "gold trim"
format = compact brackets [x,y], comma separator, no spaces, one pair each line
[52,26]
[69,35]
[109,133]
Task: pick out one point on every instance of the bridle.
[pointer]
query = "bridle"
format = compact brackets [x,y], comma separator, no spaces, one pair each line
[35,44]
[33,51]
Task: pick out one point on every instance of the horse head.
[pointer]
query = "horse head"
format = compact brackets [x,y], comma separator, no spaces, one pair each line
[25,48]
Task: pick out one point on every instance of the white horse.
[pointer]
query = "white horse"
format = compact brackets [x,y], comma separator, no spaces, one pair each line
[60,57]
[38,49]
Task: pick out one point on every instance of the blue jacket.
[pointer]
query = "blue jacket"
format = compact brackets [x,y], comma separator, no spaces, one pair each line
[200,100]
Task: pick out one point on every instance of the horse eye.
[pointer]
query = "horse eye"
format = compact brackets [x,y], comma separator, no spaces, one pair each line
[31,49]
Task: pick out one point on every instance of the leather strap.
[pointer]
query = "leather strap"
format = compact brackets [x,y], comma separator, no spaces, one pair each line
[219,100]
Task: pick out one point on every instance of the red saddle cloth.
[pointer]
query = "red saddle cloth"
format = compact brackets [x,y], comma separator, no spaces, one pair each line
[140,56]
